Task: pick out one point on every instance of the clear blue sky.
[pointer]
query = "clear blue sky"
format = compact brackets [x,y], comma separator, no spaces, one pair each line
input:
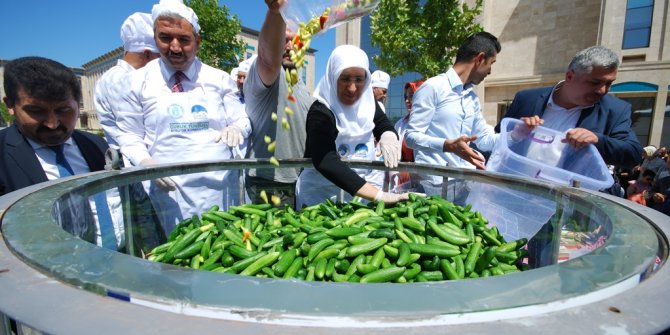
[75,32]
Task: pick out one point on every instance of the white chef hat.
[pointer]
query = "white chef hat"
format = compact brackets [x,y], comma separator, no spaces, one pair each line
[380,79]
[244,66]
[175,7]
[650,150]
[233,73]
[137,33]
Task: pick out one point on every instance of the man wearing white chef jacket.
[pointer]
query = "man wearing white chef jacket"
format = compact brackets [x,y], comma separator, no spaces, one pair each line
[380,86]
[181,110]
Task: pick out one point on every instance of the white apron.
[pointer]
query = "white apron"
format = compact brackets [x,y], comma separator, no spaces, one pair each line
[186,125]
[313,188]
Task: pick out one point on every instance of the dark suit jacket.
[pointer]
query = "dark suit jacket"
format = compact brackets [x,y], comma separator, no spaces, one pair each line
[19,166]
[609,119]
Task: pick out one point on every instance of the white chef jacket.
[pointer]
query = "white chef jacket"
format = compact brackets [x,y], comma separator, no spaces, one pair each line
[110,91]
[181,127]
[138,138]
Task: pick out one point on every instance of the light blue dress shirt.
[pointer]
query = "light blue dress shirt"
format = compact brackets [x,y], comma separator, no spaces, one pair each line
[443,108]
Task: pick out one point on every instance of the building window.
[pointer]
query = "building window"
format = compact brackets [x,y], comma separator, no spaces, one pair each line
[665,133]
[642,106]
[637,27]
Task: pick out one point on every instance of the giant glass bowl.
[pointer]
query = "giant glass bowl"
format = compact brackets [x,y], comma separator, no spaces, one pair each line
[56,283]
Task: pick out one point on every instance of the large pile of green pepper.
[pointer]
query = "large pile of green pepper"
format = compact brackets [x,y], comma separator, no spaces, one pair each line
[423,239]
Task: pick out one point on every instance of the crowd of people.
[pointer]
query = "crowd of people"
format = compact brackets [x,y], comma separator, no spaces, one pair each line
[161,104]
[648,183]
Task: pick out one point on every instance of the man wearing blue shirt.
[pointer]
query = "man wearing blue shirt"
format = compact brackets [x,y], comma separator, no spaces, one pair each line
[446,113]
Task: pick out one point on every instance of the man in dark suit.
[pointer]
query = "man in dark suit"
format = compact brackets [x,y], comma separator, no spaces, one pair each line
[581,106]
[43,96]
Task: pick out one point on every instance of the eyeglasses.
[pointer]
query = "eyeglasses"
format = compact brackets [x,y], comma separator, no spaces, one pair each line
[356,80]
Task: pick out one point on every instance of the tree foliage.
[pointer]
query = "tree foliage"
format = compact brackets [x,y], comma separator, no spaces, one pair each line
[421,36]
[4,114]
[220,47]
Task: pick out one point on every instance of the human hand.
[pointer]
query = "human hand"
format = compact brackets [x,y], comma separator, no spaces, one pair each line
[532,121]
[658,197]
[460,147]
[113,159]
[165,184]
[522,131]
[579,138]
[274,5]
[390,146]
[231,135]
[391,198]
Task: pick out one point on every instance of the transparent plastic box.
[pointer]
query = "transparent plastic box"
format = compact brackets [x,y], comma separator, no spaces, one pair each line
[539,154]
[542,155]
[295,12]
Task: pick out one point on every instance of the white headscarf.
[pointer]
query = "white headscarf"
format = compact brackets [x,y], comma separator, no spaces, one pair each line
[356,119]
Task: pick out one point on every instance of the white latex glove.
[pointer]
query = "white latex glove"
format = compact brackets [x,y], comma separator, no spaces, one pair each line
[391,198]
[231,135]
[166,184]
[390,147]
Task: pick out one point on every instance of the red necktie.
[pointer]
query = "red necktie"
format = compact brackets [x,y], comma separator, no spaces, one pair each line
[177,87]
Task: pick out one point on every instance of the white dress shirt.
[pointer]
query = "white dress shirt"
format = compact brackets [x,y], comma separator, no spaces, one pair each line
[557,118]
[74,157]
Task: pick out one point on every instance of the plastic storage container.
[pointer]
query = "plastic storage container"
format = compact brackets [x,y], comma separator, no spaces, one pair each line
[295,12]
[542,155]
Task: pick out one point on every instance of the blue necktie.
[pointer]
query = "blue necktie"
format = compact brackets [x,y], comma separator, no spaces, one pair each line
[104,216]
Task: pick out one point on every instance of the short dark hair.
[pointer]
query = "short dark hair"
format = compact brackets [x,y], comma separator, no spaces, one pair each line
[476,43]
[41,78]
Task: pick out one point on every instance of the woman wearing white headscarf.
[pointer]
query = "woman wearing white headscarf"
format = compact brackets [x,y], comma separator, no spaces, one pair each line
[343,123]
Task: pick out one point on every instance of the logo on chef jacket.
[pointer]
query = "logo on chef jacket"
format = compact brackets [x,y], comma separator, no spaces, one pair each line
[361,151]
[175,111]
[343,150]
[199,112]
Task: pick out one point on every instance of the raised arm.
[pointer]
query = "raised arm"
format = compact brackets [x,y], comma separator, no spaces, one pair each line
[271,43]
